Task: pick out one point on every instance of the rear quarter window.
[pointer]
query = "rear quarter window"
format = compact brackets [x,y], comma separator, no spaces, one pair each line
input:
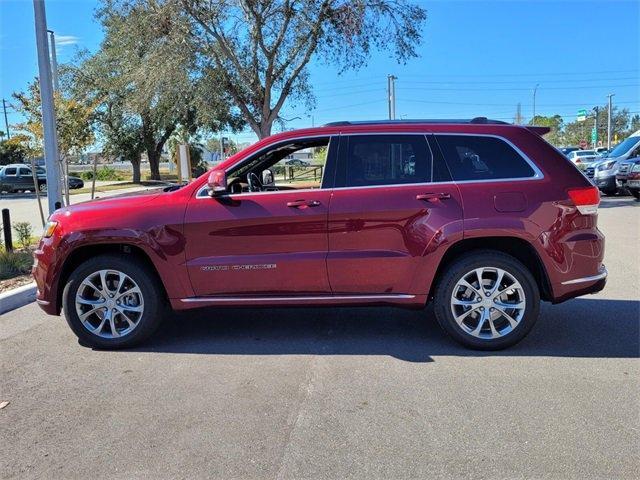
[472,157]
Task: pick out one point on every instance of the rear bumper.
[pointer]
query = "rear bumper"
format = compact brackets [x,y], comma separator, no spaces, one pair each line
[580,286]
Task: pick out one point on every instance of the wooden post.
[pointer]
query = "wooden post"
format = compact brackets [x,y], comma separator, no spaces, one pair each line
[95,172]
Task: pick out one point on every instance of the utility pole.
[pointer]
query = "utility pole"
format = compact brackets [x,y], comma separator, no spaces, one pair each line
[391,90]
[6,122]
[518,118]
[609,121]
[48,111]
[533,120]
[594,132]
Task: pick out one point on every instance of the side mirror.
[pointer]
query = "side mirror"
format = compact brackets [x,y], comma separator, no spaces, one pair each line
[217,182]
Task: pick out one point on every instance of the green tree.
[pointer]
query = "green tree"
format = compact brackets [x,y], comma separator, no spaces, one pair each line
[576,131]
[144,80]
[13,150]
[74,119]
[556,125]
[259,50]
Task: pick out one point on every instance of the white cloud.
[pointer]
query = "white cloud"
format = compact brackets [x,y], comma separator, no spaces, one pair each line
[64,40]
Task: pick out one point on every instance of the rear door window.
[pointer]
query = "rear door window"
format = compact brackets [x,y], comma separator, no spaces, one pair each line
[475,157]
[370,160]
[25,172]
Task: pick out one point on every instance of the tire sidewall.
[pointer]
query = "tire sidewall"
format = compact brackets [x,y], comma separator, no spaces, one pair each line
[153,304]
[444,290]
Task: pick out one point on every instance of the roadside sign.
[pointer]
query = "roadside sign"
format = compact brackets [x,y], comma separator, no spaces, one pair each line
[582,115]
[594,135]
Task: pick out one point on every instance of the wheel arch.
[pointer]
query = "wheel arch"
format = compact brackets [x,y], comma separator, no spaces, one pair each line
[84,252]
[518,248]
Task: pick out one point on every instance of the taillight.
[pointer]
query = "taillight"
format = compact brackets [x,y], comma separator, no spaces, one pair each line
[585,199]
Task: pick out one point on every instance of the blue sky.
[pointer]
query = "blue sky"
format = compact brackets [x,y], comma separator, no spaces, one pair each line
[476,58]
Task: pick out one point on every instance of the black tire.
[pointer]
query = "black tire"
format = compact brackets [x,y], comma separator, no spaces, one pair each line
[155,305]
[488,259]
[635,193]
[42,187]
[610,192]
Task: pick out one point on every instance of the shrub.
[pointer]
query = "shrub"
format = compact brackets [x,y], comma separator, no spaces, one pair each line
[13,264]
[24,231]
[104,173]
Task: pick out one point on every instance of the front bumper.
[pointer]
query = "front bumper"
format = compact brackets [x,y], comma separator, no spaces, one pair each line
[605,183]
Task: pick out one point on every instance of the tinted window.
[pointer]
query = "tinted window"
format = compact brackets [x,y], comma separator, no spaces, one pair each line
[10,171]
[25,171]
[386,160]
[482,158]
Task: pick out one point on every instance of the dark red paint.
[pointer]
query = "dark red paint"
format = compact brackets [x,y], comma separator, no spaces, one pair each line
[332,243]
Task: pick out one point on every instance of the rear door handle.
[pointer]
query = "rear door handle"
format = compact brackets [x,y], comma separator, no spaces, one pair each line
[303,203]
[432,197]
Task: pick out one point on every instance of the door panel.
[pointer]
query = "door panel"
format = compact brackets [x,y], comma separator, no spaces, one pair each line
[379,236]
[258,243]
[382,238]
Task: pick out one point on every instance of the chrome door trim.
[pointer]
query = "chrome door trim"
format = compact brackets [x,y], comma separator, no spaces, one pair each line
[398,296]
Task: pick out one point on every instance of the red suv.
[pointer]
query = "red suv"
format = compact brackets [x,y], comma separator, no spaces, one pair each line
[481,218]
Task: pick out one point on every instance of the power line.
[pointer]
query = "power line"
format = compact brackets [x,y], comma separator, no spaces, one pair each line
[580,87]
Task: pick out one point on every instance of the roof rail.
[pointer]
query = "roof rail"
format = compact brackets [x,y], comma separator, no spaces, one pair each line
[476,120]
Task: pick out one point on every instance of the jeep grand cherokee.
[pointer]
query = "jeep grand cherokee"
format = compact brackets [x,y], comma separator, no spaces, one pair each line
[481,218]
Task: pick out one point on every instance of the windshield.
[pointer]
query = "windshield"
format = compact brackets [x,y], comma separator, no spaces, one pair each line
[584,153]
[624,146]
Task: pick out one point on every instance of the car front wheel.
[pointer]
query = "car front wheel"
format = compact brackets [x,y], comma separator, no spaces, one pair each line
[111,302]
[487,300]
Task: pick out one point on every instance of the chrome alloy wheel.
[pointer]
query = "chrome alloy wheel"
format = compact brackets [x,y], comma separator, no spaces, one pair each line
[109,303]
[488,303]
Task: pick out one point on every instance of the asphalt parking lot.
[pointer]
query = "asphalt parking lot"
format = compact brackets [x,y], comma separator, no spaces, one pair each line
[334,393]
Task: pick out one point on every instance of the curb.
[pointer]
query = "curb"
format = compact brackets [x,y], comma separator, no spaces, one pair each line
[17,297]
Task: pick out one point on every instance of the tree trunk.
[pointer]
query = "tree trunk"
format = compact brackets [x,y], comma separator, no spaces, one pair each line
[154,164]
[135,163]
[265,130]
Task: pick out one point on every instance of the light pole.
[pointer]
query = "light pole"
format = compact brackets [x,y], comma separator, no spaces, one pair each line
[609,122]
[54,60]
[391,90]
[535,89]
[48,112]
[64,161]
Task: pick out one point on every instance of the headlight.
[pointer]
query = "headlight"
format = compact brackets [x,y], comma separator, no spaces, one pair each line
[49,228]
[606,166]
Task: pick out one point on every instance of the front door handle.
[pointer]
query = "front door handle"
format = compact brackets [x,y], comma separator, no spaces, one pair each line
[432,197]
[303,203]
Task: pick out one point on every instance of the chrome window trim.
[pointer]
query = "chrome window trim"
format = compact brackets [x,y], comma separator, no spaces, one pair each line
[419,134]
[199,193]
[538,175]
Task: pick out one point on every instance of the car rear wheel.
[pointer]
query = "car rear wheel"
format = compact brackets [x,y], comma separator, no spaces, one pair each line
[111,302]
[43,187]
[487,300]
